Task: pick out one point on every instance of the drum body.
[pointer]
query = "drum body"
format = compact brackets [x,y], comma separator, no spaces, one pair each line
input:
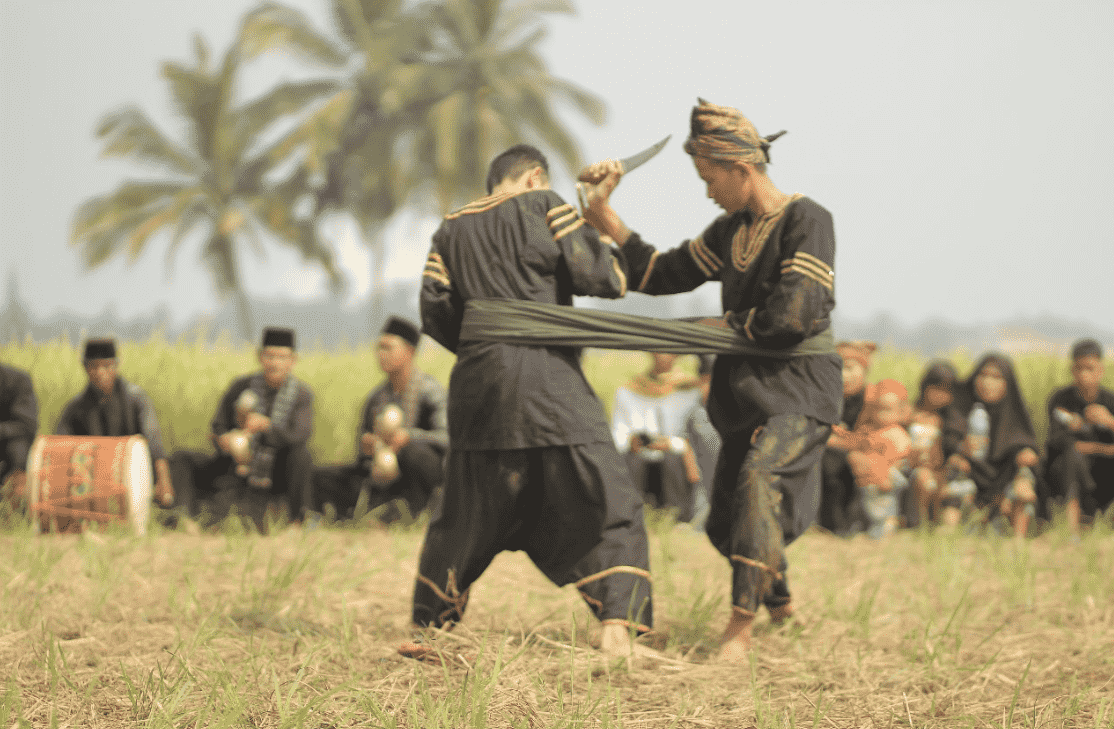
[73,480]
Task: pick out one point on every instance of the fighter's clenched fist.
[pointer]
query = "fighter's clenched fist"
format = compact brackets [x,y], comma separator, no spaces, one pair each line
[597,182]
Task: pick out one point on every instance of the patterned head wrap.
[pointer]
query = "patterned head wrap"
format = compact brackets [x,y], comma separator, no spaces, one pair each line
[722,133]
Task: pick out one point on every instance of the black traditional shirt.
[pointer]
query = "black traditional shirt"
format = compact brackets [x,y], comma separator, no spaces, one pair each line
[19,408]
[294,430]
[127,411]
[778,282]
[1060,436]
[530,246]
[424,411]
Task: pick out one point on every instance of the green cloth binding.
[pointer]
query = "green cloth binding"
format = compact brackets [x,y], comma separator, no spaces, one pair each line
[535,324]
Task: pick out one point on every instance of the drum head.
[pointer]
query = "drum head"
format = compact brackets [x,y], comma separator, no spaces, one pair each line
[138,482]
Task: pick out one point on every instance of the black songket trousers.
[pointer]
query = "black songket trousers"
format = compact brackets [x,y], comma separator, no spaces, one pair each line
[766,494]
[572,509]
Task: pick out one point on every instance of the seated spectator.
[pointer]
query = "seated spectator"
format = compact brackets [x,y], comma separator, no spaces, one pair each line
[417,442]
[838,498]
[989,442]
[261,429]
[111,406]
[1081,437]
[705,443]
[19,421]
[648,424]
[877,450]
[925,428]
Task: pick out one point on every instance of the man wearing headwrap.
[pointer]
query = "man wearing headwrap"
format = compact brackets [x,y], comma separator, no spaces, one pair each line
[274,409]
[531,464]
[774,254]
[19,421]
[112,406]
[418,442]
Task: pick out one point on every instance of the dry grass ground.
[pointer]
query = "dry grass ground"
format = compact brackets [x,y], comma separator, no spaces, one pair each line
[299,629]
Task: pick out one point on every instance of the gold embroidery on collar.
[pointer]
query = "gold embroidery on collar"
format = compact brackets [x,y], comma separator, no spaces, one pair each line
[749,240]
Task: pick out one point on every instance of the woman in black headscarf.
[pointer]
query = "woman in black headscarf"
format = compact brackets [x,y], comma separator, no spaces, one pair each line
[1003,463]
[926,430]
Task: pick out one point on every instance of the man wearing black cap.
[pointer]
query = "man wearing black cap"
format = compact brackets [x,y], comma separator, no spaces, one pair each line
[19,420]
[112,406]
[418,441]
[279,423]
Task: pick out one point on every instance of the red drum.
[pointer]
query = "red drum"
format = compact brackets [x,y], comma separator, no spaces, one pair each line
[73,480]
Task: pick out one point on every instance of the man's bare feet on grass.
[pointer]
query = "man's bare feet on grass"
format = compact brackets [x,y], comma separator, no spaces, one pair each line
[420,649]
[616,642]
[737,642]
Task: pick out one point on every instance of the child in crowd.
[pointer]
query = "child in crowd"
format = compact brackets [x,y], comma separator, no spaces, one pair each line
[989,439]
[925,427]
[877,450]
[838,504]
[1081,437]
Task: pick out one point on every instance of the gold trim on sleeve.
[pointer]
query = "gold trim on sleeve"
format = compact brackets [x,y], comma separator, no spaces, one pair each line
[649,269]
[622,277]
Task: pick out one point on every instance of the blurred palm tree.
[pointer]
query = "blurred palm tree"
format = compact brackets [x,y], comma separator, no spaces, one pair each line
[428,95]
[221,181]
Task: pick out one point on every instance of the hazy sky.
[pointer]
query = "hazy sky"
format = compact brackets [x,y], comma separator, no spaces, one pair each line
[964,148]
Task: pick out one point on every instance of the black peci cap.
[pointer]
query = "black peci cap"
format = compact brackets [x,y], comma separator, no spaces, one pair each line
[278,337]
[403,328]
[99,349]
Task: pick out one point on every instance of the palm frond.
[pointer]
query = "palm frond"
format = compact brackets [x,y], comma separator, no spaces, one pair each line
[194,215]
[134,199]
[272,26]
[284,100]
[587,103]
[130,133]
[514,21]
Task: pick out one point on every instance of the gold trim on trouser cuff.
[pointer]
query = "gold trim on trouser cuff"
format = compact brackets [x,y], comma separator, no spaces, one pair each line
[458,603]
[591,600]
[756,564]
[627,624]
[743,611]
[621,569]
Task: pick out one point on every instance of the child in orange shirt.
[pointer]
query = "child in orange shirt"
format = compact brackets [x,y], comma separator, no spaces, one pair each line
[877,449]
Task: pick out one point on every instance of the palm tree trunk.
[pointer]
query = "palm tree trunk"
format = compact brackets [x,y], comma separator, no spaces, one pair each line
[221,257]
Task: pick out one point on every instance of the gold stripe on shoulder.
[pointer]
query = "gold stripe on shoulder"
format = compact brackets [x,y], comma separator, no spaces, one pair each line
[813,259]
[437,277]
[555,224]
[482,205]
[810,274]
[700,262]
[559,210]
[568,229]
[823,273]
[712,258]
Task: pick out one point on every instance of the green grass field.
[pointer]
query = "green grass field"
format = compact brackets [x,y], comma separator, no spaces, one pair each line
[299,629]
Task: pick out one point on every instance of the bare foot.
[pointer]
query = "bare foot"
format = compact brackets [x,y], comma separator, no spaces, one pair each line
[420,650]
[736,644]
[615,642]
